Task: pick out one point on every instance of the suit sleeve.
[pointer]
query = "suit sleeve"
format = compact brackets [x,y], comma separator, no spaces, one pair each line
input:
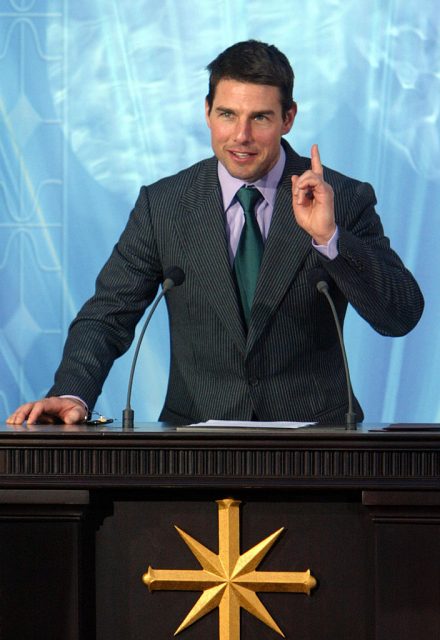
[104,328]
[367,271]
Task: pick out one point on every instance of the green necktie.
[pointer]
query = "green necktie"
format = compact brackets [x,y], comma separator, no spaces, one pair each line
[250,250]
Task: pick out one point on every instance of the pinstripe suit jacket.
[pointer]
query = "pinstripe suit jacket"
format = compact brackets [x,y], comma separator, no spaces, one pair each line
[288,366]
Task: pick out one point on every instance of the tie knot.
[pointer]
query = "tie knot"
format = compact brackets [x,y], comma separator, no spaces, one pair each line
[248,198]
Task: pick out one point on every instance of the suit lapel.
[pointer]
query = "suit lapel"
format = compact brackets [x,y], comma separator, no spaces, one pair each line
[286,248]
[201,230]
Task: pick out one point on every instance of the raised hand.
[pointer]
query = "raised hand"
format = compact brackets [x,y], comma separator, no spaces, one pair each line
[312,201]
[49,411]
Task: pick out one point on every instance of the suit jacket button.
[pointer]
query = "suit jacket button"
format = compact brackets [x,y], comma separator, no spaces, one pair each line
[253,381]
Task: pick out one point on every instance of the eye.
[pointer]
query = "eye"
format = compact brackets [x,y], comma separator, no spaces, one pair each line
[261,117]
[226,115]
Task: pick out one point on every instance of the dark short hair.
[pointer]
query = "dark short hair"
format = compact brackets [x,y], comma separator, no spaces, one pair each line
[255,62]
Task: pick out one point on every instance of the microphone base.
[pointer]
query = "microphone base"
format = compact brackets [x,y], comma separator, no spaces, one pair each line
[350,421]
[128,419]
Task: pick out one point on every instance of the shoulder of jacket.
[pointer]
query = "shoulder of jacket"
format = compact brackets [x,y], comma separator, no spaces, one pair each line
[180,181]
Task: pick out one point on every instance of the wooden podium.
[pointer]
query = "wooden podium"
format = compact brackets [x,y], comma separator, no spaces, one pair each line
[84,511]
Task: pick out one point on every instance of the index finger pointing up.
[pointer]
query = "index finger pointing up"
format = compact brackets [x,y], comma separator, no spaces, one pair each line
[316,161]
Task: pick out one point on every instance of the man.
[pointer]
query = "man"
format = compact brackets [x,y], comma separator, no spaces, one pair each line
[268,354]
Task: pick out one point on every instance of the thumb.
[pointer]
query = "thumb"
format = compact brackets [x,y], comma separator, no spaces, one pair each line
[294,182]
[74,415]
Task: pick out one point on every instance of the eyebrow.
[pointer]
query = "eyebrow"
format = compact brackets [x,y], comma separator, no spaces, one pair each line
[263,112]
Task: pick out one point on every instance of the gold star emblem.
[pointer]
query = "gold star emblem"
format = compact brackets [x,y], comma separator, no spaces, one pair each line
[229,580]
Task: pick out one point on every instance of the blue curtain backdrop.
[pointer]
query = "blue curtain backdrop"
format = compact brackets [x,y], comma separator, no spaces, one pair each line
[98,97]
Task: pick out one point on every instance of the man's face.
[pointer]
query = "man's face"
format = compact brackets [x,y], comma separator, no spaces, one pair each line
[246,125]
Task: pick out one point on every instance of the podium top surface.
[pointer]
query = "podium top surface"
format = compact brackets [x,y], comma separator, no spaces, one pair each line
[164,456]
[165,431]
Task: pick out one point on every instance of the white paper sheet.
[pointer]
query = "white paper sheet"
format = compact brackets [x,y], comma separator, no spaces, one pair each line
[243,424]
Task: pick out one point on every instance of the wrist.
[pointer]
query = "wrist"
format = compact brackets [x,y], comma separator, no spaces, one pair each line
[324,239]
[330,249]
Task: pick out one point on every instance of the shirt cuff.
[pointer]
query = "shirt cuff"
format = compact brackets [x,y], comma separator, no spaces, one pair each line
[329,250]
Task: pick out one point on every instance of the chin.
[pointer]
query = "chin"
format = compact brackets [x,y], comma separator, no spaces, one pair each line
[243,174]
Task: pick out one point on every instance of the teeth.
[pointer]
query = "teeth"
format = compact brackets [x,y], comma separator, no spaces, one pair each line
[242,155]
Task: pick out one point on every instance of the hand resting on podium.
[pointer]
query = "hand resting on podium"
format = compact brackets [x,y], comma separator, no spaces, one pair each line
[50,411]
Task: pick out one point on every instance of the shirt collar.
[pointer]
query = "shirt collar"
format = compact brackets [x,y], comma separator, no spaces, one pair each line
[267,185]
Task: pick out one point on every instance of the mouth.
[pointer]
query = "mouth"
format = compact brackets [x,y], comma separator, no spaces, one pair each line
[241,155]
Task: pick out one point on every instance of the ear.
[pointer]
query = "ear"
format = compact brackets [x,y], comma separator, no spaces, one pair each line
[207,114]
[289,118]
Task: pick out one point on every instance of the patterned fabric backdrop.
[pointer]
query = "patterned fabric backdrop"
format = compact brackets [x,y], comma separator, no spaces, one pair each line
[100,96]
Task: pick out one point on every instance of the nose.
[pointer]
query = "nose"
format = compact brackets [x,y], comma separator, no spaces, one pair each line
[243,131]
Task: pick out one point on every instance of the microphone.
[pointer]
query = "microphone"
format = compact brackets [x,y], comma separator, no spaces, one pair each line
[319,278]
[174,276]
